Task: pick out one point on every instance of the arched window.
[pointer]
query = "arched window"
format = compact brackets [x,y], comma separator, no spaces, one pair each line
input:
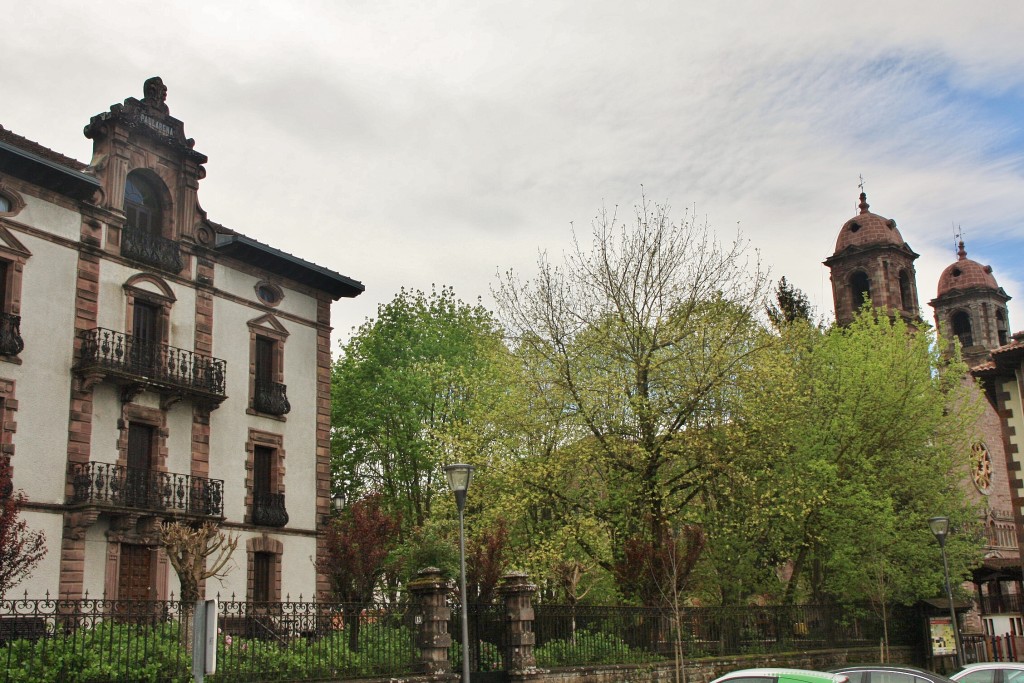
[906,292]
[962,328]
[142,205]
[860,287]
[1001,326]
[146,237]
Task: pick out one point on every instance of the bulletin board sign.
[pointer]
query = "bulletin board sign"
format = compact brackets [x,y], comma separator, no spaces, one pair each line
[941,636]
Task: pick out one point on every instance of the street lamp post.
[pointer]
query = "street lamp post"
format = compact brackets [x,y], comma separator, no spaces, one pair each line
[940,528]
[459,477]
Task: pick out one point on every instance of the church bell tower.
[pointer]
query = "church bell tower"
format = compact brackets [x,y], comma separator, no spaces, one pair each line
[872,262]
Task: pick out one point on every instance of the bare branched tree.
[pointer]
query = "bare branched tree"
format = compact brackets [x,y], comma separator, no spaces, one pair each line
[638,340]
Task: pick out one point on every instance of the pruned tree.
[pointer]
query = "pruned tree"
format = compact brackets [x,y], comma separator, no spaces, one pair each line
[196,554]
[358,543]
[20,548]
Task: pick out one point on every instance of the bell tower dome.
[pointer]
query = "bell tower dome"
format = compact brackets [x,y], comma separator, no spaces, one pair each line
[871,261]
[971,308]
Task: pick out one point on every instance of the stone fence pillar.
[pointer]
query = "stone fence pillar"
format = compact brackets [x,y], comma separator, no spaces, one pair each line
[517,592]
[430,590]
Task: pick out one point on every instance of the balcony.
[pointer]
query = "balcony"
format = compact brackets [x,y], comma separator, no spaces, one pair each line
[11,343]
[140,363]
[152,250]
[268,509]
[1000,604]
[271,398]
[116,486]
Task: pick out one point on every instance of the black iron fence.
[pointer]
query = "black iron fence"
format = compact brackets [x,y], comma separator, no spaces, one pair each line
[179,368]
[584,634]
[93,640]
[108,640]
[100,483]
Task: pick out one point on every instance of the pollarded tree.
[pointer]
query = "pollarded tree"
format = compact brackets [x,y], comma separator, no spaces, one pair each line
[196,554]
[20,549]
[640,338]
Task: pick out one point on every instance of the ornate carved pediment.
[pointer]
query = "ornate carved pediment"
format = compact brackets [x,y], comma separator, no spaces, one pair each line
[148,117]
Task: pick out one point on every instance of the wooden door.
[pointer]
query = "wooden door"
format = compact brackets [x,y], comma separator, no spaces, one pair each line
[262,476]
[138,478]
[135,575]
[264,359]
[145,344]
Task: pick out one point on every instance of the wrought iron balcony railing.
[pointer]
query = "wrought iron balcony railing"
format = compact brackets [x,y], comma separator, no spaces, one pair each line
[1001,604]
[11,343]
[271,397]
[142,360]
[101,483]
[152,250]
[268,509]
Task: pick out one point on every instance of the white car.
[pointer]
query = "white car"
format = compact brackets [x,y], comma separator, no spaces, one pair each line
[780,676]
[991,672]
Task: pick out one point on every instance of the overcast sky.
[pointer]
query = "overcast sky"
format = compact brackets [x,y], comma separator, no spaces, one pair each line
[410,143]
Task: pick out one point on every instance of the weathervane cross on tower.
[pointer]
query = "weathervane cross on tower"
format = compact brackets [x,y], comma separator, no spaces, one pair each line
[861,185]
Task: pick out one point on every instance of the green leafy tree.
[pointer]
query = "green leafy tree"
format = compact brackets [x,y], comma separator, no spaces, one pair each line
[877,431]
[791,305]
[410,393]
[632,347]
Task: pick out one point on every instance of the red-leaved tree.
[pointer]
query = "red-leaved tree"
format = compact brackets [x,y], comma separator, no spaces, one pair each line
[655,570]
[485,563]
[358,543]
[20,549]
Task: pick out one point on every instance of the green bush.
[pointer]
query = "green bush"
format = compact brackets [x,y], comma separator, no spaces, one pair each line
[124,652]
[106,652]
[490,657]
[383,650]
[589,647]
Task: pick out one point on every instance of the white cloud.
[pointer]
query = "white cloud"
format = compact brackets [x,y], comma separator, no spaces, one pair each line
[406,143]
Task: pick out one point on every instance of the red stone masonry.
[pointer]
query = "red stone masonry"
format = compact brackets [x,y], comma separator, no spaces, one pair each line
[323,430]
[72,552]
[1012,462]
[200,463]
[8,407]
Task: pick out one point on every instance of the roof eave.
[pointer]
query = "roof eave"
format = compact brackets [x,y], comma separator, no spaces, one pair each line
[276,261]
[46,173]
